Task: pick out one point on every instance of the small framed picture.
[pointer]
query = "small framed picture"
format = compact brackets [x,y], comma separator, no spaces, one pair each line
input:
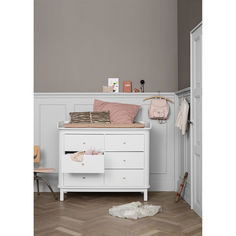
[115,83]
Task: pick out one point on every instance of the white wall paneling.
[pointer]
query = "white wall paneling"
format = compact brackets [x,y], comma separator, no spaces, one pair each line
[183,152]
[196,117]
[53,107]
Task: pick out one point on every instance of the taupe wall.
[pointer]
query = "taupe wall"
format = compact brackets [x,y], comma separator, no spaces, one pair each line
[189,15]
[79,43]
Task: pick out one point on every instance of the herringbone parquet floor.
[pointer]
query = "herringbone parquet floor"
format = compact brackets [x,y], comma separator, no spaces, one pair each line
[87,214]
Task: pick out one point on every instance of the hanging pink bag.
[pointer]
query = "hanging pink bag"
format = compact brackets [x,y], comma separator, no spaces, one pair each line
[159,109]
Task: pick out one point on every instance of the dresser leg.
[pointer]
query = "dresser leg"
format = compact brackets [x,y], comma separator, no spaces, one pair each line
[61,196]
[145,195]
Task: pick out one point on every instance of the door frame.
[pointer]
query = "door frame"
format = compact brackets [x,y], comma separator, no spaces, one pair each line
[191,111]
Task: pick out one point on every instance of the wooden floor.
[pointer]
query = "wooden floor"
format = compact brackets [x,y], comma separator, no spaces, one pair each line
[87,214]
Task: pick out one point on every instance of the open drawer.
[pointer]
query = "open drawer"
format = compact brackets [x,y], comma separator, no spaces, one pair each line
[89,164]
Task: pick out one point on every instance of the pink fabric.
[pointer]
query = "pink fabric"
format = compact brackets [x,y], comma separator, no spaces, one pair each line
[119,113]
[92,152]
[159,109]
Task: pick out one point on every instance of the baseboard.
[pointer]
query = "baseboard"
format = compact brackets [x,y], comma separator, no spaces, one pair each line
[52,178]
[161,185]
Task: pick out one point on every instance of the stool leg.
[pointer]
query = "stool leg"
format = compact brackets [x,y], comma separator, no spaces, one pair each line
[45,181]
[37,181]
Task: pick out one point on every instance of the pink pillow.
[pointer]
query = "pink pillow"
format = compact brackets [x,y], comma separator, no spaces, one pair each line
[119,113]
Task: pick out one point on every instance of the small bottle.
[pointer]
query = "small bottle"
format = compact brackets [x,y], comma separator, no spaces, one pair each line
[142,82]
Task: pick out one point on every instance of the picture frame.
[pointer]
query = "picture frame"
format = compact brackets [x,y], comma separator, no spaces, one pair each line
[115,83]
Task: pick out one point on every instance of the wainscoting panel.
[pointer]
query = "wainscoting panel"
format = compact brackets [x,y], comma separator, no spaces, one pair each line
[159,165]
[183,152]
[49,113]
[51,108]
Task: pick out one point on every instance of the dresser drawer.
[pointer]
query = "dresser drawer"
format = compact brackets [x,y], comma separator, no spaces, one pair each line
[119,178]
[83,142]
[89,164]
[124,160]
[77,180]
[124,142]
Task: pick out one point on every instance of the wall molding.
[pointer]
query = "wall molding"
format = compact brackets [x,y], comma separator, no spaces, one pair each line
[183,92]
[71,95]
[53,107]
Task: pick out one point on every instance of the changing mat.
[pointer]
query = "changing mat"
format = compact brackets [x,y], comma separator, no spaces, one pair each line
[103,125]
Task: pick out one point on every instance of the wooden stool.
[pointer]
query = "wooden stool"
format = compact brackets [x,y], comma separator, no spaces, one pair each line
[41,170]
[37,178]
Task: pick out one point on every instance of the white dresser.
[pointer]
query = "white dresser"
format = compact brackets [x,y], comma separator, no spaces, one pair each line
[122,167]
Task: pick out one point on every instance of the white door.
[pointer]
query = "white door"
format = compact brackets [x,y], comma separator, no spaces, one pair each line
[196,118]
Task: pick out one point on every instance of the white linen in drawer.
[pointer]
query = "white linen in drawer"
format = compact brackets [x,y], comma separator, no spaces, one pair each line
[90,164]
[74,142]
[119,178]
[124,160]
[124,142]
[77,180]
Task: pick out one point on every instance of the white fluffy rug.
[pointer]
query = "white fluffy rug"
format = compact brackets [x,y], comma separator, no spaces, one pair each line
[134,210]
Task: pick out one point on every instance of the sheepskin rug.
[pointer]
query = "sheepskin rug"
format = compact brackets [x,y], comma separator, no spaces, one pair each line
[134,210]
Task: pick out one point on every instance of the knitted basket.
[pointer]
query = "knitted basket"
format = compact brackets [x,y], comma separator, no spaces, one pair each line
[90,117]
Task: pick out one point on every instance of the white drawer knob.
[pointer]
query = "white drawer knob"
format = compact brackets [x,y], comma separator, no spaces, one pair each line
[124,142]
[124,177]
[84,142]
[82,164]
[84,177]
[124,160]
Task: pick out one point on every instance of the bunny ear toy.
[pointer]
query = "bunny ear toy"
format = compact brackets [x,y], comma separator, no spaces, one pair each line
[78,156]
